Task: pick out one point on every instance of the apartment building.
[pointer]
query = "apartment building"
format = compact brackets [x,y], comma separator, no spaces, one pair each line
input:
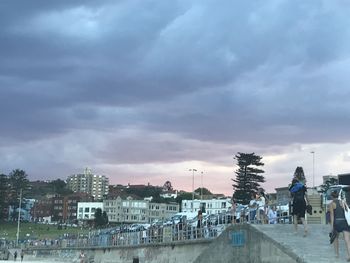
[161,211]
[137,211]
[65,208]
[87,182]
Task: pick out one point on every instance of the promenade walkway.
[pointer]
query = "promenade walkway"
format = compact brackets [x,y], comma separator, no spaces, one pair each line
[314,248]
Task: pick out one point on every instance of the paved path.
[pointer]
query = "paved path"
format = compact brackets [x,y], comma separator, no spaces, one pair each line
[314,248]
[30,261]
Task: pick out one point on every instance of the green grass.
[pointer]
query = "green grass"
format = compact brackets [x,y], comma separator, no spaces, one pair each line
[36,231]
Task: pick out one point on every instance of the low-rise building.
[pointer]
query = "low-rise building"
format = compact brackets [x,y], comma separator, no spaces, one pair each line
[282,196]
[161,211]
[86,210]
[212,206]
[65,208]
[137,211]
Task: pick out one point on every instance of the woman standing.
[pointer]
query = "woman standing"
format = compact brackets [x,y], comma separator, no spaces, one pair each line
[339,224]
[299,202]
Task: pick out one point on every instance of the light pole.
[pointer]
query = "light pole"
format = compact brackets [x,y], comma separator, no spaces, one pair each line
[19,216]
[201,186]
[313,169]
[193,170]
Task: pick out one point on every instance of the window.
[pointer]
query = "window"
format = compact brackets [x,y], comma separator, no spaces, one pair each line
[87,209]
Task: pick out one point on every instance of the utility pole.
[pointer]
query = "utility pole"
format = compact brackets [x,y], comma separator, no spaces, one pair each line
[201,186]
[19,216]
[313,169]
[192,170]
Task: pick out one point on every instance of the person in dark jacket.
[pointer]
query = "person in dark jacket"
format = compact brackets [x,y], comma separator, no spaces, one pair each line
[299,202]
[339,224]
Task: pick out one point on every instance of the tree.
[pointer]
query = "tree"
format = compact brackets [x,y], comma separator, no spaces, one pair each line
[299,174]
[101,219]
[59,186]
[167,186]
[248,177]
[328,183]
[3,195]
[205,191]
[17,182]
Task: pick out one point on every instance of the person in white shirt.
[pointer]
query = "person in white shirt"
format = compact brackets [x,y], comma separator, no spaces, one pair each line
[252,209]
[272,215]
[260,215]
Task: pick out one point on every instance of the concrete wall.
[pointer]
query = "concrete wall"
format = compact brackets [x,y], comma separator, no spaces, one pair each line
[243,243]
[171,253]
[239,243]
[186,251]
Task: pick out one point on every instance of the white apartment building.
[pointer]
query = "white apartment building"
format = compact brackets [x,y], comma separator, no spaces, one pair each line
[213,206]
[95,185]
[86,210]
[137,211]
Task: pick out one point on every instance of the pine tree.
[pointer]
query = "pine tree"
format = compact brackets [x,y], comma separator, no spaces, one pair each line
[3,195]
[248,177]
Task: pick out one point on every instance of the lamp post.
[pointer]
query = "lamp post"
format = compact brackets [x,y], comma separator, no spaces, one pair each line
[19,216]
[313,169]
[192,170]
[201,186]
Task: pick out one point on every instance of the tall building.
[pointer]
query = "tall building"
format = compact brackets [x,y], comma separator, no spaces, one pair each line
[95,185]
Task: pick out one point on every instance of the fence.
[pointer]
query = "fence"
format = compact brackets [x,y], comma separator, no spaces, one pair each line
[211,227]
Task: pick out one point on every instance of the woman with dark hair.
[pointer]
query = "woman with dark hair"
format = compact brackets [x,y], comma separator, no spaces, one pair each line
[299,202]
[339,224]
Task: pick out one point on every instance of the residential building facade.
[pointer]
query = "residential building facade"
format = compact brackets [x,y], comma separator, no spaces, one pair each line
[95,185]
[86,210]
[212,206]
[65,208]
[137,211]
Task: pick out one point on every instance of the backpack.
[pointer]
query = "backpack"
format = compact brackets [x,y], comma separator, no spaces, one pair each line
[296,187]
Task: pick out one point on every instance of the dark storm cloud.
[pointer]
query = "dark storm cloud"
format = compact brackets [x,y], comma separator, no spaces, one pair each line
[160,81]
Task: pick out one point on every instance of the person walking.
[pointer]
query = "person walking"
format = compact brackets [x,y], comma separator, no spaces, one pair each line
[15,256]
[252,208]
[299,202]
[339,224]
[22,255]
[260,214]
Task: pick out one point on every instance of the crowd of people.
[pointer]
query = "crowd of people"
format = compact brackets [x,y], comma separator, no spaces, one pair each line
[257,212]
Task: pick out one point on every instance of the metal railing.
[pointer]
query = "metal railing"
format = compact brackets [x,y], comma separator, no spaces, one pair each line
[211,227]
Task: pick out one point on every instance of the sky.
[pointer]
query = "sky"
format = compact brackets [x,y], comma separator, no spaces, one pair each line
[142,91]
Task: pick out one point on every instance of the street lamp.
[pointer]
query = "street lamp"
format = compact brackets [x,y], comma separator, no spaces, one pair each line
[192,170]
[19,216]
[313,169]
[201,186]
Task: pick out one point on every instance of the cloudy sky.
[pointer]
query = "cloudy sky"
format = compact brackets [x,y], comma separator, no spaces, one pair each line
[142,91]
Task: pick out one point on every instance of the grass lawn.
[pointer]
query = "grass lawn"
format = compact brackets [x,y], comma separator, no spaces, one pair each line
[36,231]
